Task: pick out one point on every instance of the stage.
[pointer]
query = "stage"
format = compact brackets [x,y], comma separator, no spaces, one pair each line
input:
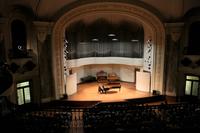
[89,92]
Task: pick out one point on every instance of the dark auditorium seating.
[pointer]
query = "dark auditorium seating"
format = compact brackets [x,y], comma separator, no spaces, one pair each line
[97,117]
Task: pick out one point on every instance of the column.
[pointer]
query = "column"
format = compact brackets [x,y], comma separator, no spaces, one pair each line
[173,51]
[43,31]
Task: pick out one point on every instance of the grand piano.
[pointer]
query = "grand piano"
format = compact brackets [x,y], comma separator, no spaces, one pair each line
[108,81]
[111,85]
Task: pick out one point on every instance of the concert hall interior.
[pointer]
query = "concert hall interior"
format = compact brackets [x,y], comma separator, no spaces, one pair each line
[99,66]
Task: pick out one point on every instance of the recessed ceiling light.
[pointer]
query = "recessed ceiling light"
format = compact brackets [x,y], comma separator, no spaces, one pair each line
[111,34]
[114,39]
[134,40]
[95,40]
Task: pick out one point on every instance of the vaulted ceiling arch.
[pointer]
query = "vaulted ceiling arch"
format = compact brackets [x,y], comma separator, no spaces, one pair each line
[153,28]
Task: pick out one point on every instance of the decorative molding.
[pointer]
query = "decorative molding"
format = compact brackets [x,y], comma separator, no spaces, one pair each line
[134,12]
[148,55]
[191,61]
[174,30]
[42,29]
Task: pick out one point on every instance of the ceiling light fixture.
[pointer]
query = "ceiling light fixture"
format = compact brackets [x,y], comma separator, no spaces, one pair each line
[95,40]
[111,34]
[114,39]
[134,40]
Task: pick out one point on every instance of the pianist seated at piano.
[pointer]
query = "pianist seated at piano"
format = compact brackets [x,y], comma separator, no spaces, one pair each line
[102,89]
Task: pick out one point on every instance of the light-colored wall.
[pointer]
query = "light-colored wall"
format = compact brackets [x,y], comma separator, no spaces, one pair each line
[123,67]
[125,72]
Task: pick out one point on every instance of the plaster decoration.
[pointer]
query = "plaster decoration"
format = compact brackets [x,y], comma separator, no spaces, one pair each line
[148,55]
[42,29]
[124,9]
[176,34]
[174,30]
[41,36]
[191,61]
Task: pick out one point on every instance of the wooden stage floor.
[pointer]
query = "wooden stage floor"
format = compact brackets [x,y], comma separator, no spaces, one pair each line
[89,92]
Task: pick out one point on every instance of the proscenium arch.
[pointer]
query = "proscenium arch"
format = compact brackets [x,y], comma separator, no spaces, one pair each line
[153,29]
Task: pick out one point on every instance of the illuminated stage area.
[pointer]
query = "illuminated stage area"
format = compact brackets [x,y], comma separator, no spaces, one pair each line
[89,92]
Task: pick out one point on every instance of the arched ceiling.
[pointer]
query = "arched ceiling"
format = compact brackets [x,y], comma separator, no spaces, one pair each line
[170,9]
[110,17]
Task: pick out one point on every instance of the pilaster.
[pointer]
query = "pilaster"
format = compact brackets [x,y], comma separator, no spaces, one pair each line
[172,57]
[42,30]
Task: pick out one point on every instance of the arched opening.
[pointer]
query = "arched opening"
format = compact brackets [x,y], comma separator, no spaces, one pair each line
[192,27]
[153,31]
[193,42]
[19,39]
